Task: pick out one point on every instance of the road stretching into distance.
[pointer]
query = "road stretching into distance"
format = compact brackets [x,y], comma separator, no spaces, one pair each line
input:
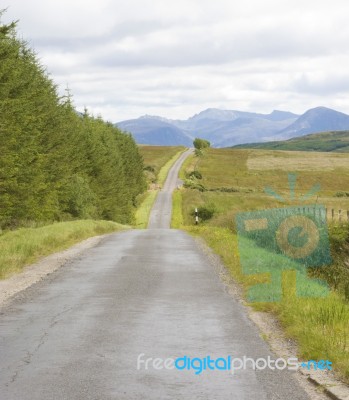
[78,333]
[160,216]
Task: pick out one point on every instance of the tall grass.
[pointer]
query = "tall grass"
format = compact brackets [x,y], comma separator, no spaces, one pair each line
[26,245]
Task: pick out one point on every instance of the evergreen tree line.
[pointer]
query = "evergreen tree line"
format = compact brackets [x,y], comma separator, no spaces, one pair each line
[56,164]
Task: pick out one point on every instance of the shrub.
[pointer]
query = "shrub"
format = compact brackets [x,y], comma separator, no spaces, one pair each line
[341,194]
[189,184]
[205,212]
[149,168]
[201,143]
[195,174]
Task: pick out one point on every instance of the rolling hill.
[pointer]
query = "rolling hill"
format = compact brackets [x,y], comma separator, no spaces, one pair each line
[326,141]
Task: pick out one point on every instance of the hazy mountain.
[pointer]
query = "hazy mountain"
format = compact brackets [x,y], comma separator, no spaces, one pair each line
[277,115]
[326,141]
[320,119]
[155,131]
[227,115]
[225,128]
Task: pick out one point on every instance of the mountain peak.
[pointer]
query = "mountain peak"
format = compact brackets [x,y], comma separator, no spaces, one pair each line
[147,116]
[323,110]
[278,115]
[318,119]
[216,113]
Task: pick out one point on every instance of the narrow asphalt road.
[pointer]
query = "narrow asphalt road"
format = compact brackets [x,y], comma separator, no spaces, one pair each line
[138,294]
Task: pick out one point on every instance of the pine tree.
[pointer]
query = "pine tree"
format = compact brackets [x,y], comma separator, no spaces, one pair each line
[56,163]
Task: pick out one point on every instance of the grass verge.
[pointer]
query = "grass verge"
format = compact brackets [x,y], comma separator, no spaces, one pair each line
[188,165]
[143,211]
[165,169]
[177,216]
[26,245]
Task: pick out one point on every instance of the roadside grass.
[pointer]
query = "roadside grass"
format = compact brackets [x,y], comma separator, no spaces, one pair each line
[165,168]
[164,158]
[26,245]
[143,211]
[177,216]
[319,325]
[187,165]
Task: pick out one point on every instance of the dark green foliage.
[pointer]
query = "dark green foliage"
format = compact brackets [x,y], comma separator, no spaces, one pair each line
[195,174]
[341,194]
[193,184]
[337,274]
[54,163]
[192,181]
[229,190]
[149,168]
[205,212]
[201,143]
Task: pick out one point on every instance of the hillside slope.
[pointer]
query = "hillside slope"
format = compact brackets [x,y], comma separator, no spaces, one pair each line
[319,119]
[326,141]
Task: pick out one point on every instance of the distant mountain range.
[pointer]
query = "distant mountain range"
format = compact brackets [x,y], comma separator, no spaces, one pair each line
[224,128]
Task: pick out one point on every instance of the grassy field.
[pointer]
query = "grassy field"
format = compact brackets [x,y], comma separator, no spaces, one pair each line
[26,245]
[234,180]
[157,161]
[155,157]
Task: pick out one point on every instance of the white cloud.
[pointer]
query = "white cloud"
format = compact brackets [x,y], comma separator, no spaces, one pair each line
[124,59]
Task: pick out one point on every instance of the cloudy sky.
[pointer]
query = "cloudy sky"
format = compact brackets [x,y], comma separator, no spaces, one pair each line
[126,58]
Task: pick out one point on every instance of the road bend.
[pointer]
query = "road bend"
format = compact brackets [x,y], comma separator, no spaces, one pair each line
[102,326]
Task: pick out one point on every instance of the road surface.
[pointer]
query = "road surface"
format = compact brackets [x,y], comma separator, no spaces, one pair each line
[139,294]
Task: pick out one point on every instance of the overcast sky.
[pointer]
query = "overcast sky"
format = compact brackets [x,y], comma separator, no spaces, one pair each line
[126,58]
